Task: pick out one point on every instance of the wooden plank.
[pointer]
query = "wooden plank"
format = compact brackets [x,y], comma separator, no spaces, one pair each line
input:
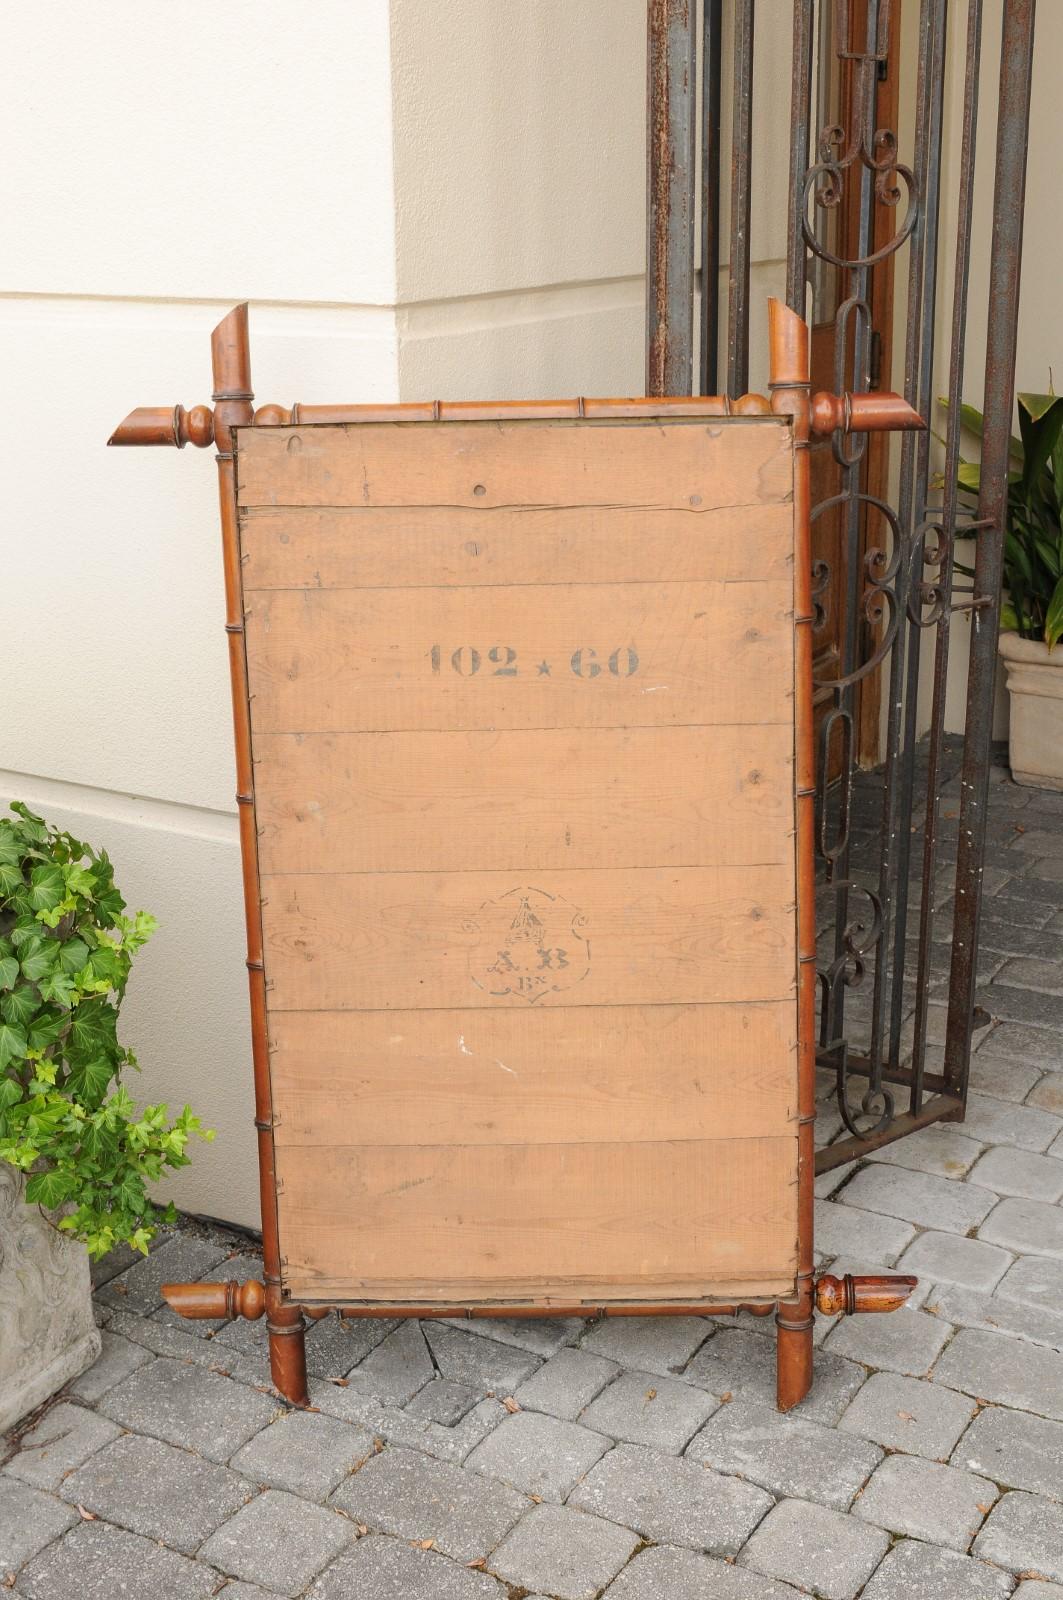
[651,1073]
[328,547]
[693,463]
[539,799]
[575,655]
[450,1223]
[425,941]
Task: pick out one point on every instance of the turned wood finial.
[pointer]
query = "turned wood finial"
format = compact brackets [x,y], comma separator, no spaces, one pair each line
[850,1294]
[200,1301]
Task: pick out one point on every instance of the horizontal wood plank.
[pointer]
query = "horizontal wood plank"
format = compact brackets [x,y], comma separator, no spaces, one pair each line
[608,655]
[640,1074]
[693,463]
[447,1223]
[327,547]
[437,940]
[539,799]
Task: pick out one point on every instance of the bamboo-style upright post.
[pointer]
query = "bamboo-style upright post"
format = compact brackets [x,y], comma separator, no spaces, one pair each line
[234,405]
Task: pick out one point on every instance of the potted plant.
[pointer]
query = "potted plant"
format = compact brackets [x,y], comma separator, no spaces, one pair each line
[1031,615]
[76,1156]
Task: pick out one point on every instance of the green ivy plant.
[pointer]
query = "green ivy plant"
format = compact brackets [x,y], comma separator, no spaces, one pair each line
[1033,537]
[65,1117]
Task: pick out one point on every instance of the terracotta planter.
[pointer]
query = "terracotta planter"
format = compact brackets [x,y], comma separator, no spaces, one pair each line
[1035,688]
[47,1332]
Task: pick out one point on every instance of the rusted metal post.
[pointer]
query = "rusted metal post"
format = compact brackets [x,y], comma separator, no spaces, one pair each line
[1008,205]
[739,254]
[711,77]
[671,159]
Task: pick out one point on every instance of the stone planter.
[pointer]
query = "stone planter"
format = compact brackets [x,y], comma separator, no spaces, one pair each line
[47,1332]
[1035,688]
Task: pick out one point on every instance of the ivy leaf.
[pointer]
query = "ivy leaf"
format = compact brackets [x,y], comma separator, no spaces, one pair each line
[10,1093]
[46,887]
[73,955]
[93,1027]
[50,1189]
[45,1029]
[13,1044]
[10,849]
[10,877]
[20,1005]
[41,960]
[58,987]
[90,1080]
[8,972]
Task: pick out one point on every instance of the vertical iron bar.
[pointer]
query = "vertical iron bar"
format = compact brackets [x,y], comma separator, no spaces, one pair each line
[965,215]
[741,199]
[671,160]
[909,639]
[711,81]
[1009,196]
[801,120]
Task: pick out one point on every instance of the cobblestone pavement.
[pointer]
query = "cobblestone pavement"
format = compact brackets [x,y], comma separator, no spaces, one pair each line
[637,1459]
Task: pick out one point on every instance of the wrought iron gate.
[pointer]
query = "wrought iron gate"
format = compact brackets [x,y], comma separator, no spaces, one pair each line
[898,590]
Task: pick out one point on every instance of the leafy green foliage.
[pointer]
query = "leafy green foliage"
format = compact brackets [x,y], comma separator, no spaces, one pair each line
[66,1119]
[1033,539]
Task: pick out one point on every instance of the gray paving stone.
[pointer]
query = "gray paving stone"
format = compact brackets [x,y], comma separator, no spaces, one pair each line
[65,1437]
[1028,972]
[938,1149]
[1044,843]
[643,1408]
[1015,1449]
[946,1258]
[407,1494]
[538,1454]
[1019,1172]
[827,1182]
[651,1344]
[181,1259]
[993,1366]
[969,1308]
[566,1553]
[816,1548]
[846,1230]
[1016,1041]
[566,1383]
[996,1122]
[1034,1281]
[188,1406]
[918,1197]
[118,1358]
[29,1519]
[336,1344]
[486,1365]
[541,1335]
[164,1339]
[96,1561]
[1034,1589]
[1056,1147]
[117,1260]
[443,1401]
[1048,1094]
[1012,1003]
[661,1573]
[278,1541]
[901,1413]
[379,1568]
[672,1502]
[913,1571]
[1026,1226]
[1001,1079]
[741,1364]
[399,1427]
[904,1341]
[244,1591]
[397,1368]
[784,1454]
[305,1453]
[926,1500]
[155,1490]
[1024,1534]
